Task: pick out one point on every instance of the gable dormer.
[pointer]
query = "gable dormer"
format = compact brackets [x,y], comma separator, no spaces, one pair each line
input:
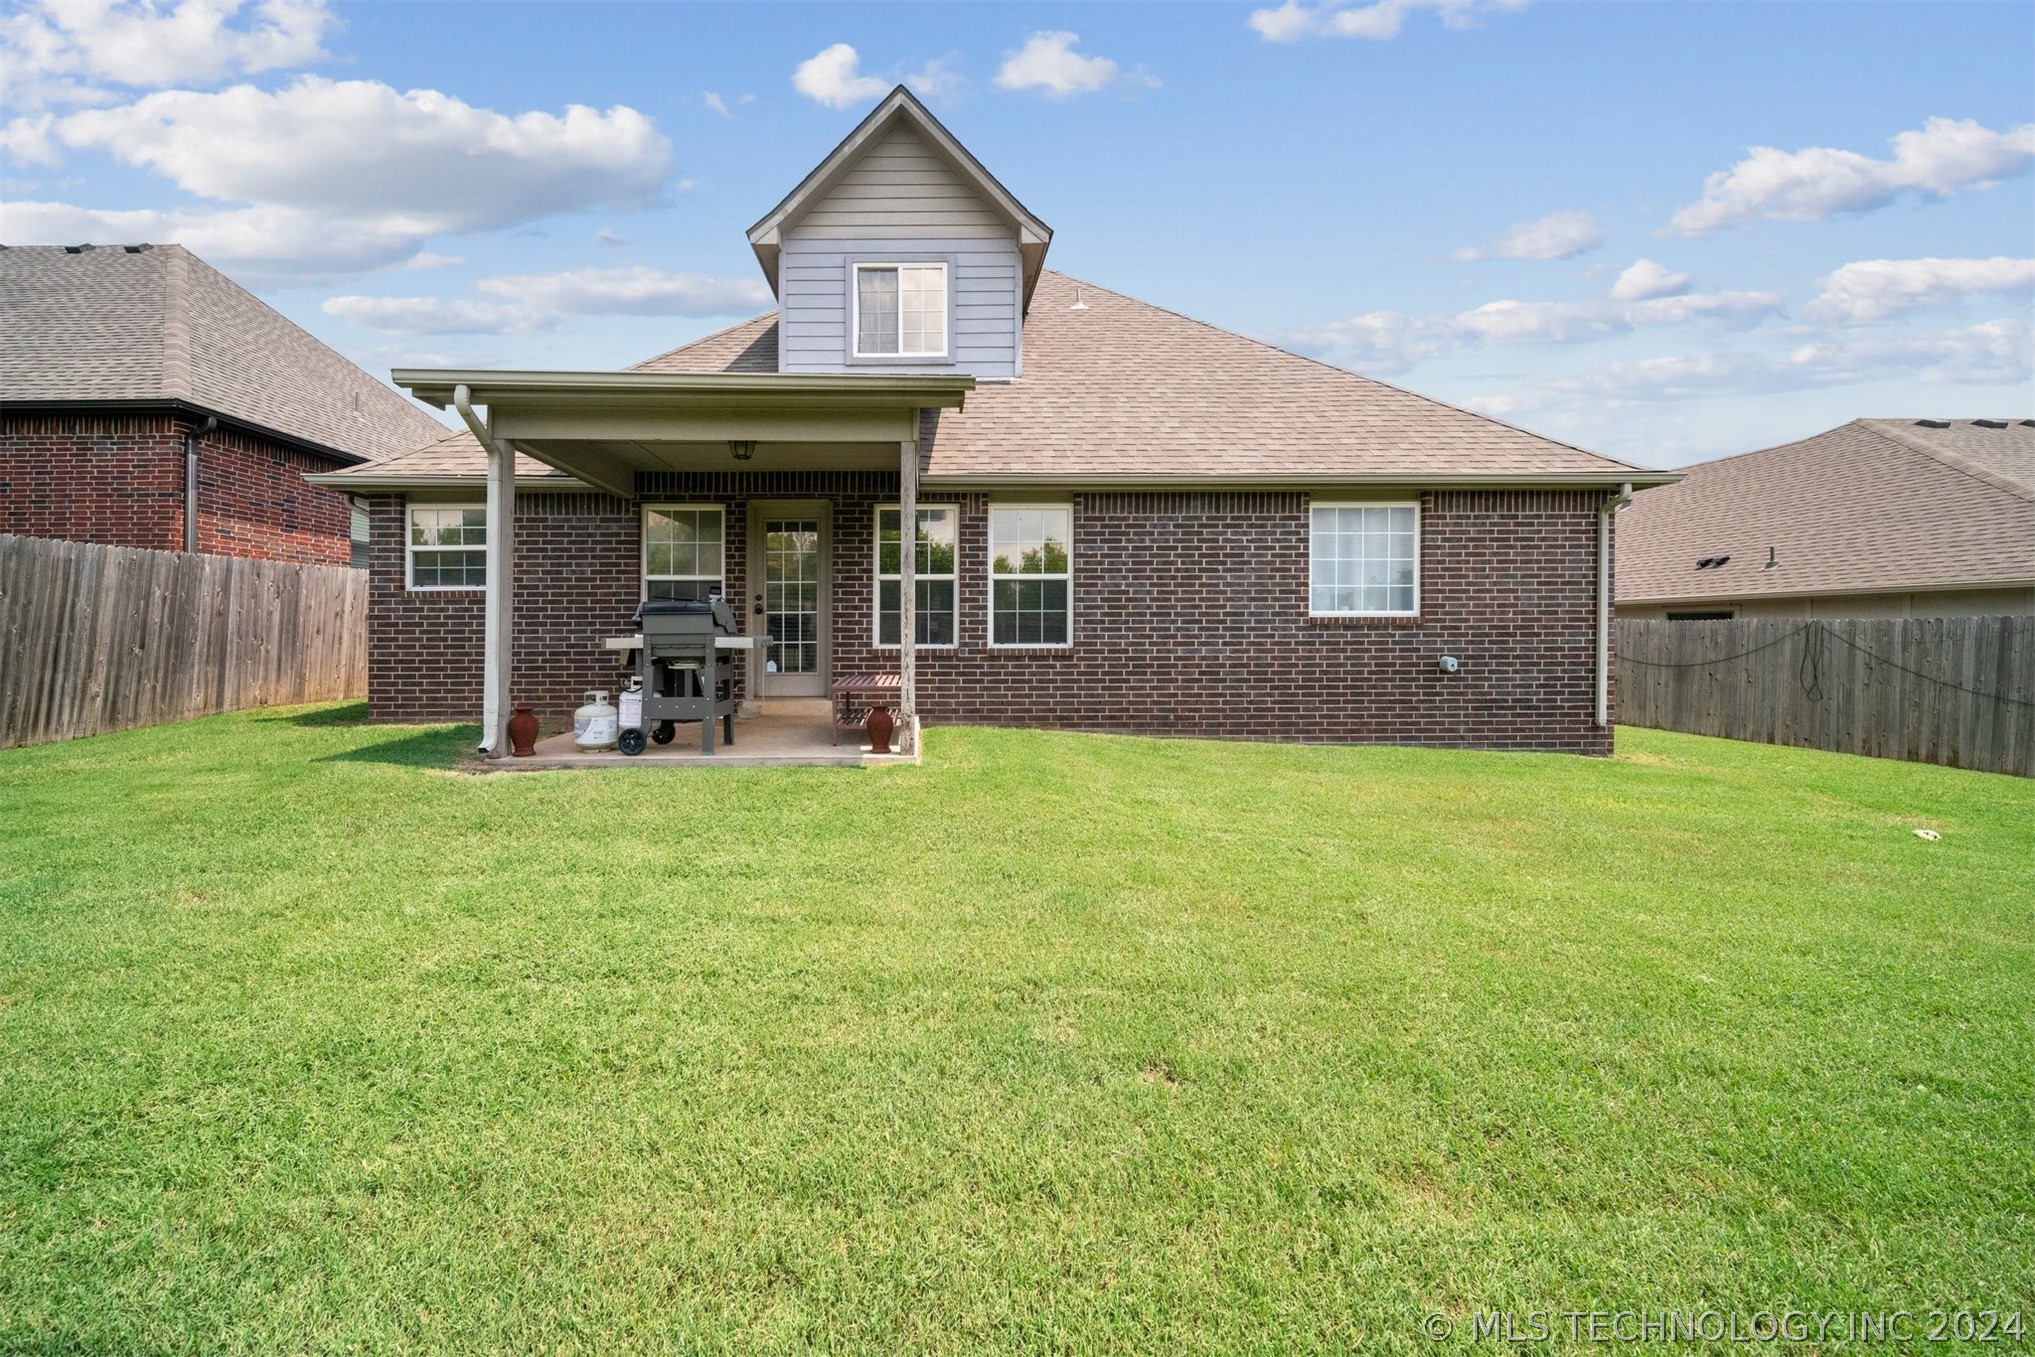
[900,253]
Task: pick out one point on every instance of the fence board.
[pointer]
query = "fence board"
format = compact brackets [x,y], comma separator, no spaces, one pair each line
[1958,691]
[96,638]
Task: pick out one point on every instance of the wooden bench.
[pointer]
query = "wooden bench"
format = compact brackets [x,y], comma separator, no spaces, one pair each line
[864,691]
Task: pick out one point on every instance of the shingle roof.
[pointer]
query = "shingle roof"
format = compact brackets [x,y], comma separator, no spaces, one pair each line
[1876,505]
[160,324]
[1125,390]
[453,455]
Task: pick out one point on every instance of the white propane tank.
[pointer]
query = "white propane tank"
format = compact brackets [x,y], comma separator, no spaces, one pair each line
[593,726]
[631,705]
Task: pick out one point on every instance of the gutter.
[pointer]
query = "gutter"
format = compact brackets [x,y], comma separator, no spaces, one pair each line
[1604,513]
[191,437]
[186,408]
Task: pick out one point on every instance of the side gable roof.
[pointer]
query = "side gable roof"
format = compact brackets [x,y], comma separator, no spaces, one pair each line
[156,324]
[1124,392]
[901,106]
[1874,506]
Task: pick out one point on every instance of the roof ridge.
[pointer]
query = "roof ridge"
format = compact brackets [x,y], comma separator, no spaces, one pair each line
[1955,461]
[1342,371]
[176,313]
[695,343]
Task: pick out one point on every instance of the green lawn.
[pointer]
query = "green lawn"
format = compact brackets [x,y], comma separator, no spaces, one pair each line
[1057,1043]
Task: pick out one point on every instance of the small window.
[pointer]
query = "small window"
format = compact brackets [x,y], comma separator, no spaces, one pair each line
[937,591]
[1364,560]
[682,551]
[900,310]
[1031,581]
[448,546]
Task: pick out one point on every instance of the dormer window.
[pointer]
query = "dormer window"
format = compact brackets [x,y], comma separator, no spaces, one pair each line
[901,310]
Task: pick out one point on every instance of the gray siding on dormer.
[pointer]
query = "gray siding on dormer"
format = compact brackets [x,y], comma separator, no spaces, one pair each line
[813,296]
[900,201]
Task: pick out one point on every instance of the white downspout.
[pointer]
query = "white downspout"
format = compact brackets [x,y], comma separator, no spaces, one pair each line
[493,614]
[1604,514]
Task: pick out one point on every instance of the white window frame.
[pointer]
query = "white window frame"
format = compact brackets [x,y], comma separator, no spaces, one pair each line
[1418,535]
[989,568]
[411,548]
[903,354]
[953,512]
[643,544]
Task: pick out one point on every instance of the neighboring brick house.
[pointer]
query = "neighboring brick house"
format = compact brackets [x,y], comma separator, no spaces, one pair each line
[1125,520]
[134,379]
[1876,518]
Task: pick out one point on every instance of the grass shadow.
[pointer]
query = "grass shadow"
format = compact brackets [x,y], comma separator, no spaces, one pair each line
[345,714]
[407,747]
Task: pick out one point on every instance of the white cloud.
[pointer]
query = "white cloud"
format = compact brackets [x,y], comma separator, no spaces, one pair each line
[939,78]
[2001,351]
[1645,279]
[62,51]
[1390,341]
[1941,158]
[537,303]
[834,77]
[1048,63]
[629,291]
[31,141]
[330,178]
[722,104]
[1560,235]
[1873,289]
[608,236]
[433,316]
[1378,21]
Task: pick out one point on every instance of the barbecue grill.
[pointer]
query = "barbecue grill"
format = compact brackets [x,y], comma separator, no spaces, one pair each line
[686,675]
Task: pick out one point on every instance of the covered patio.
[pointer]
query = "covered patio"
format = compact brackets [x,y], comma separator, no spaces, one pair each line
[613,432]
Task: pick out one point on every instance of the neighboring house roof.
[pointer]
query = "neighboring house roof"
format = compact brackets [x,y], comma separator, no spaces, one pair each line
[1120,390]
[156,325]
[901,109]
[1876,506]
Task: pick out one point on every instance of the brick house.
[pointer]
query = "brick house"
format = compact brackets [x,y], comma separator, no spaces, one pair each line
[1038,501]
[146,400]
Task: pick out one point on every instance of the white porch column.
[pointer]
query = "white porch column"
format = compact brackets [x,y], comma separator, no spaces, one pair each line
[499,639]
[908,593]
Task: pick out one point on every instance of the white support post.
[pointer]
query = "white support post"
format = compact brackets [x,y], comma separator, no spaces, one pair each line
[499,639]
[908,593]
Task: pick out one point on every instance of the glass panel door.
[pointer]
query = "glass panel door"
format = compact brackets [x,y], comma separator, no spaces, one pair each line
[792,608]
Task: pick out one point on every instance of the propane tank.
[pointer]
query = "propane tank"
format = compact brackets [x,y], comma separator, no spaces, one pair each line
[630,704]
[593,726]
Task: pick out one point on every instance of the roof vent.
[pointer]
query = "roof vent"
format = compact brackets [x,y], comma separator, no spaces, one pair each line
[1932,423]
[76,249]
[1990,423]
[1711,562]
[1079,305]
[136,249]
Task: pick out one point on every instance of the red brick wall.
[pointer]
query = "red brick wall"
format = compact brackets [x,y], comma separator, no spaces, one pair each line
[119,479]
[1190,617]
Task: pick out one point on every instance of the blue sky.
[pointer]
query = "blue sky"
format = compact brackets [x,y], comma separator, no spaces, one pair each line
[1552,212]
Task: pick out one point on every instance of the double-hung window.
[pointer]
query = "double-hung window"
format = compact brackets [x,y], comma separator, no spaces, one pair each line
[1031,579]
[682,551]
[448,546]
[900,310]
[937,590]
[1364,560]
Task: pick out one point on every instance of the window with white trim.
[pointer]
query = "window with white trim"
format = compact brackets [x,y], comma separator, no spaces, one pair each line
[1031,575]
[938,591]
[900,310]
[448,546]
[1364,560]
[684,555]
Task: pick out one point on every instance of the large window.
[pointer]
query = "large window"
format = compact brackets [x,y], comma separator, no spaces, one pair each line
[682,551]
[1364,560]
[448,546]
[936,585]
[1031,582]
[900,310]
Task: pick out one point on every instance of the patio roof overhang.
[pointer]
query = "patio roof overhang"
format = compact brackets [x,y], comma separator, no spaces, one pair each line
[604,427]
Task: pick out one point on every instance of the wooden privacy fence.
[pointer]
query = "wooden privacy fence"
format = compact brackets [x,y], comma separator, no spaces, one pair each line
[1951,690]
[96,638]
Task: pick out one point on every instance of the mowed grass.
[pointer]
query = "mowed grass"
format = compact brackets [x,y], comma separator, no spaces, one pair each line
[1055,1044]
